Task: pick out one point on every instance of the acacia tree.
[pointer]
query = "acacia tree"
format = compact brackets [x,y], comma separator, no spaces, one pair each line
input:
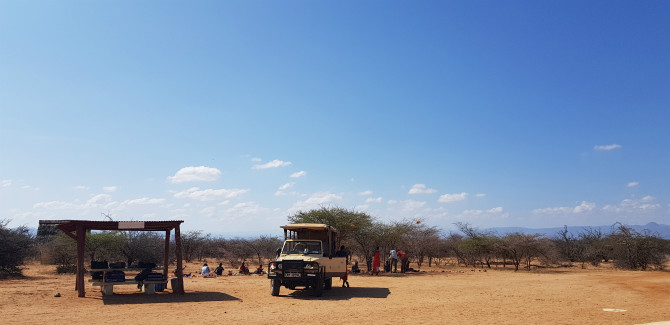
[422,241]
[478,246]
[634,250]
[345,221]
[105,245]
[15,246]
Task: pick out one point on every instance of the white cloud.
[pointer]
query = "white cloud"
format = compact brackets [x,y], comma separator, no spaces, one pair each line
[286,186]
[299,174]
[645,204]
[245,209]
[581,208]
[421,189]
[256,159]
[607,147]
[55,205]
[450,198]
[480,195]
[584,207]
[95,202]
[6,183]
[374,200]
[407,206]
[496,212]
[99,199]
[316,201]
[632,184]
[209,194]
[81,187]
[365,193]
[109,189]
[195,174]
[272,164]
[144,200]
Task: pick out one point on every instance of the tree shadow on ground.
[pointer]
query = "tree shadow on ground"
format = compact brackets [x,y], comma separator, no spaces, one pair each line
[165,297]
[338,293]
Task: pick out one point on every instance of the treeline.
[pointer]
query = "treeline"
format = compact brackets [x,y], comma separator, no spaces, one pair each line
[361,234]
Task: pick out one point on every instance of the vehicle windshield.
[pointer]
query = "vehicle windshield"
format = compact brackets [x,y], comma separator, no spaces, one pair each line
[302,247]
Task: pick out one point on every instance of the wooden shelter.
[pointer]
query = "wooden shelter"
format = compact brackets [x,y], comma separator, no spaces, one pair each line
[77,230]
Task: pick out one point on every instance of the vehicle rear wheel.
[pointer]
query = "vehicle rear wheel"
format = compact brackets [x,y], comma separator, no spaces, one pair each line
[328,284]
[318,286]
[276,285]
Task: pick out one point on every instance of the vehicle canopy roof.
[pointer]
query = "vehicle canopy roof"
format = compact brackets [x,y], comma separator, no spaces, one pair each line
[309,226]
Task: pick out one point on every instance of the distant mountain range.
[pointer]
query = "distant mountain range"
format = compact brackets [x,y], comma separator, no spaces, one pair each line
[654,228]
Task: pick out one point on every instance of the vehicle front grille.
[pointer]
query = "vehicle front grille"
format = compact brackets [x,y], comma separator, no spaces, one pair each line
[291,265]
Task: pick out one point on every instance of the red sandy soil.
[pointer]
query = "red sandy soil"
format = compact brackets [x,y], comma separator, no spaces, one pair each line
[455,296]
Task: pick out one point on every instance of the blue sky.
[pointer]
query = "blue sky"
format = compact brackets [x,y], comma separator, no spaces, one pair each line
[232,115]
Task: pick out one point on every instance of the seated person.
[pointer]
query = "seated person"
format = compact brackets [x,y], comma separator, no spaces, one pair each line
[219,269]
[259,269]
[355,269]
[205,272]
[244,269]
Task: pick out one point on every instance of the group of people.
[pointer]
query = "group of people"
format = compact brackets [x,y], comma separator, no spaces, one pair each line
[206,272]
[391,264]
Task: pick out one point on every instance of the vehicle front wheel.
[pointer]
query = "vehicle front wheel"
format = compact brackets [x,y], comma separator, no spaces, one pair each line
[276,285]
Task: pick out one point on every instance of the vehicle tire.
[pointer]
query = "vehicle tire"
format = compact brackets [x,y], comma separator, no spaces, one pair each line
[328,284]
[318,286]
[276,285]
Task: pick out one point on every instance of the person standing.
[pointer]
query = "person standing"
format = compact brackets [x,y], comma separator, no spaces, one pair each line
[403,261]
[376,262]
[394,260]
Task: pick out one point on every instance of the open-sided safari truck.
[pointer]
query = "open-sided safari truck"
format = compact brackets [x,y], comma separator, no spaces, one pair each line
[307,259]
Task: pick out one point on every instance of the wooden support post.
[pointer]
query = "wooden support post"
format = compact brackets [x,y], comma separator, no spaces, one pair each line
[180,271]
[81,246]
[166,257]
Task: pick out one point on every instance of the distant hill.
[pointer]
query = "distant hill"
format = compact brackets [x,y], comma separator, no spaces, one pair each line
[654,228]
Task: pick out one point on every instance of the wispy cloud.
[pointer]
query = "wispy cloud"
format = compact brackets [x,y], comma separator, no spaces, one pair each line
[209,194]
[143,201]
[450,198]
[195,174]
[581,208]
[110,189]
[286,186]
[365,193]
[272,164]
[407,206]
[6,183]
[421,189]
[299,174]
[632,184]
[606,147]
[81,187]
[645,204]
[316,201]
[374,200]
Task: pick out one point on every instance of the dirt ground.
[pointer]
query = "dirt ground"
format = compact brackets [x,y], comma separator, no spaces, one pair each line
[438,296]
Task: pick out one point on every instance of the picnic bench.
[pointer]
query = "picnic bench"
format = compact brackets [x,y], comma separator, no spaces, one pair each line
[107,288]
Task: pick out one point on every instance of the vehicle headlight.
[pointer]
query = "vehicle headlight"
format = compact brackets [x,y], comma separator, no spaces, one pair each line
[275,265]
[311,266]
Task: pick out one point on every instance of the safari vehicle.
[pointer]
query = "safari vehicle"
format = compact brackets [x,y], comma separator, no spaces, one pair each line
[307,259]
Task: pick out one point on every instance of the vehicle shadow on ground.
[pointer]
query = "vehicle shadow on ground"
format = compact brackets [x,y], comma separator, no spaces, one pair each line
[143,298]
[342,293]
